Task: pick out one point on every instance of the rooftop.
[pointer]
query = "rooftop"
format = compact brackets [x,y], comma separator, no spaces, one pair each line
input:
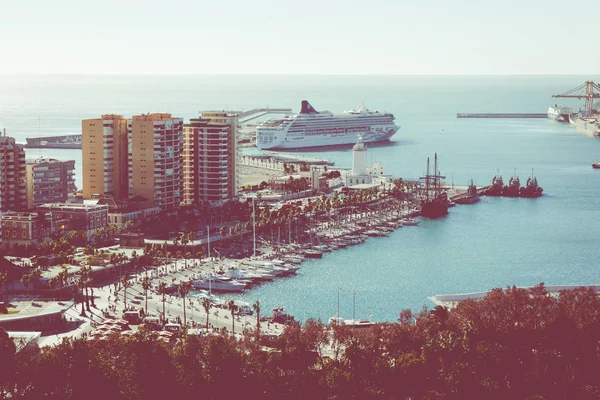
[72,207]
[43,159]
[31,309]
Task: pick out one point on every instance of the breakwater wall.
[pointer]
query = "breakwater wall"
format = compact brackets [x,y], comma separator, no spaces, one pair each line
[501,115]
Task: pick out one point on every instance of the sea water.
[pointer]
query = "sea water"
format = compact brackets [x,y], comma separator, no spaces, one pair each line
[494,243]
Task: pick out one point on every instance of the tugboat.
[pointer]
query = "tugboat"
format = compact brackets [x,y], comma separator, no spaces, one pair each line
[531,189]
[434,200]
[513,188]
[497,186]
[472,195]
[596,165]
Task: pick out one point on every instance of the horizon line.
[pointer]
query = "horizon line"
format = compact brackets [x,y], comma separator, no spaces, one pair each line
[279,74]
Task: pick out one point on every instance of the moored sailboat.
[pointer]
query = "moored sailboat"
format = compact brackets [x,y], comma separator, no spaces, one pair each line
[434,199]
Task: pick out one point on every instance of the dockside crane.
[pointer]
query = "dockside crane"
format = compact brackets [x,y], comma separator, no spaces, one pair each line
[588,91]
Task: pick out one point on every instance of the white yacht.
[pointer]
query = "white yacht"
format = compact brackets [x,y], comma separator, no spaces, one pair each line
[352,323]
[311,128]
[255,276]
[222,284]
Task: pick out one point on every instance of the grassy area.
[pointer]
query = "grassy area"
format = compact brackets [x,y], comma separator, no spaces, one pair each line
[10,312]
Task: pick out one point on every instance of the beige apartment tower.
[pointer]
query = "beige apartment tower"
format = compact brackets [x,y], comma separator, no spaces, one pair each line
[13,195]
[104,149]
[155,165]
[49,181]
[209,158]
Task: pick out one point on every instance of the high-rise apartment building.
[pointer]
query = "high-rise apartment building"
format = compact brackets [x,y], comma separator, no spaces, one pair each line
[155,165]
[104,149]
[209,158]
[12,175]
[49,180]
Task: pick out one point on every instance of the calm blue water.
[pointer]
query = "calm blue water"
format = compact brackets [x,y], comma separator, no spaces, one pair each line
[495,243]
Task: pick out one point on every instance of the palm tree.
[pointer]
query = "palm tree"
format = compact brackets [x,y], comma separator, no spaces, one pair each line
[183,289]
[256,307]
[233,308]
[26,280]
[162,289]
[163,247]
[81,284]
[86,275]
[207,304]
[178,256]
[184,239]
[186,257]
[125,283]
[146,285]
[52,283]
[36,274]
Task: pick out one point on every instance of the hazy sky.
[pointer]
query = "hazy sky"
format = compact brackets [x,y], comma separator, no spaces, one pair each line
[300,36]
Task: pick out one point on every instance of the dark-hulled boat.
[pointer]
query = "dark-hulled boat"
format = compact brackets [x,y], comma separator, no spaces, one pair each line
[471,197]
[497,186]
[596,165]
[532,189]
[514,186]
[434,199]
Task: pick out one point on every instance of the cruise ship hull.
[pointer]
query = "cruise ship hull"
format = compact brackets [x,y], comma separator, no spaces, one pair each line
[327,140]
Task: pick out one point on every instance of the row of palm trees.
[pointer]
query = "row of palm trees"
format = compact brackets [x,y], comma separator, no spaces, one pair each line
[111,231]
[3,281]
[183,290]
[30,277]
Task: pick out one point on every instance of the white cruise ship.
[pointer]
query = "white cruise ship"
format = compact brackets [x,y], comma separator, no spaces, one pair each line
[311,128]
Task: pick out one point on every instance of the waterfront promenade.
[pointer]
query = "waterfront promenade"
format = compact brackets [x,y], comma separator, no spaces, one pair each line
[110,306]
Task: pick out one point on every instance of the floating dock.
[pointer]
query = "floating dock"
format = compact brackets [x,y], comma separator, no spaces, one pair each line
[501,115]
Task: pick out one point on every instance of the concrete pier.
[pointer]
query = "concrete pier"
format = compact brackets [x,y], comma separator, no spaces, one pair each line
[501,115]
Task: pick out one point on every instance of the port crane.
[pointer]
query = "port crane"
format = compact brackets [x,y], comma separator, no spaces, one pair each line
[588,91]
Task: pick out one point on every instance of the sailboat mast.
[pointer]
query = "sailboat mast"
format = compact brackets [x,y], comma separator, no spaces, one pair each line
[338,310]
[427,178]
[254,228]
[435,173]
[354,307]
[208,233]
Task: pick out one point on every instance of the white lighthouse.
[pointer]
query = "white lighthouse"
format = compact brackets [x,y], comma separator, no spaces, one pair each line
[359,174]
[359,158]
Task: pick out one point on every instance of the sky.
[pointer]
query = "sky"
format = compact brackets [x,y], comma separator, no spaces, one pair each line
[386,37]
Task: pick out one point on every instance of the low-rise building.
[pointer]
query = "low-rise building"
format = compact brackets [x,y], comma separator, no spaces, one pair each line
[49,180]
[131,240]
[78,217]
[121,212]
[22,229]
